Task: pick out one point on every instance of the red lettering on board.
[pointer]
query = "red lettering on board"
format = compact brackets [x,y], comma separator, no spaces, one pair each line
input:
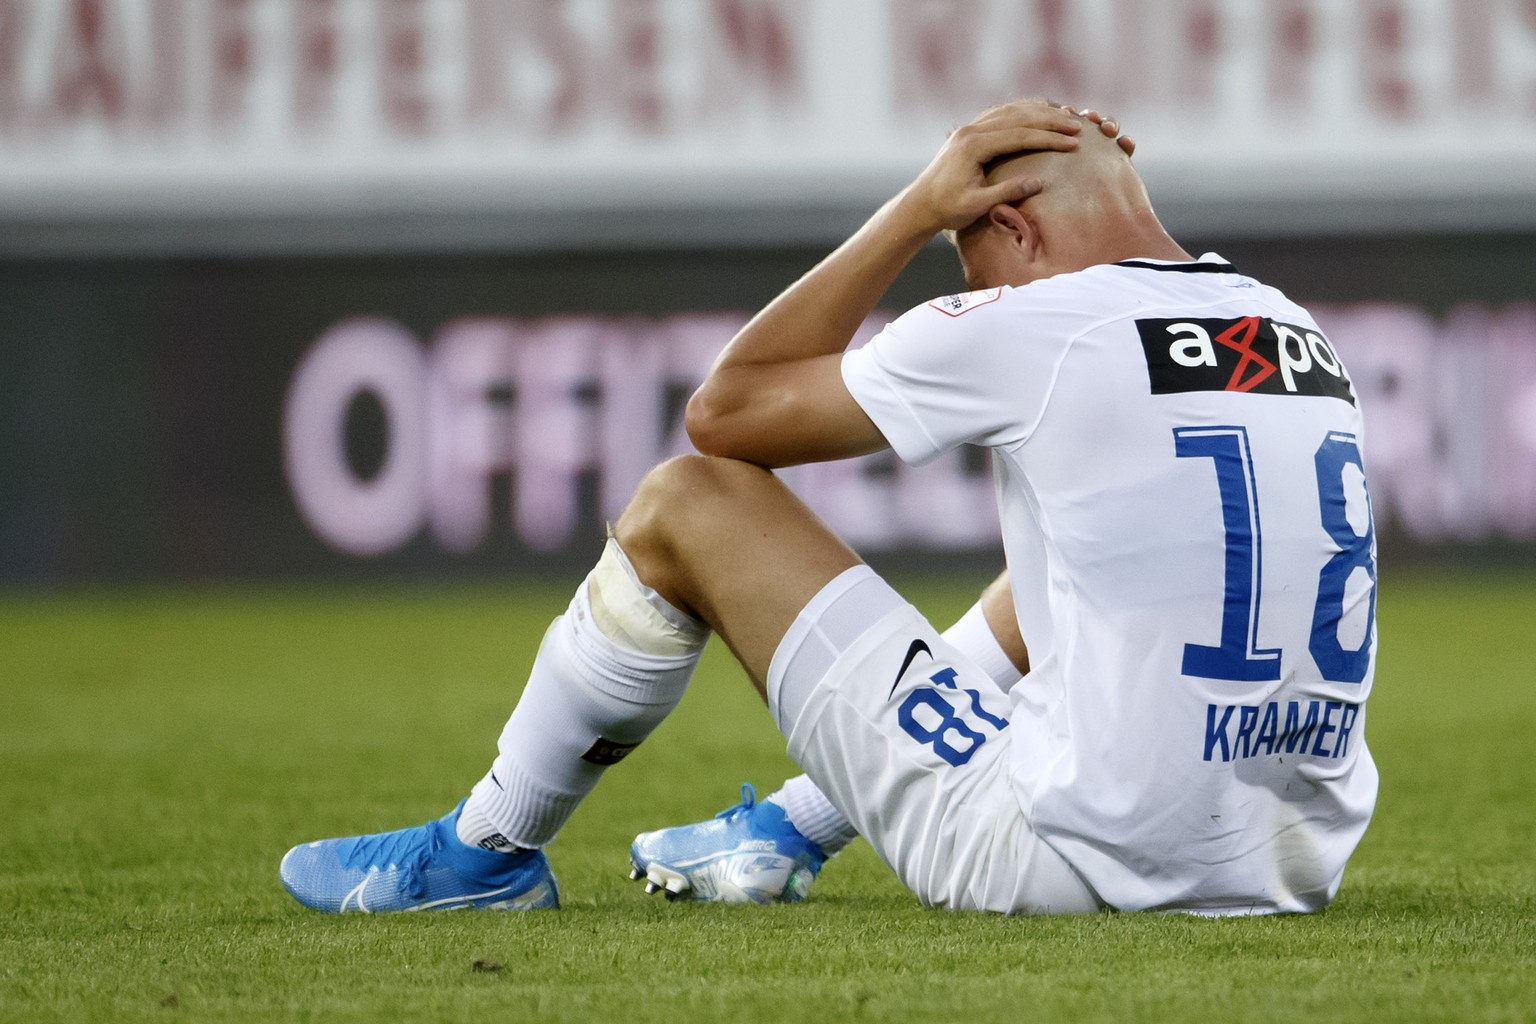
[1385,65]
[640,72]
[1201,39]
[232,64]
[759,35]
[1292,50]
[561,45]
[88,66]
[402,69]
[1053,69]
[316,61]
[934,64]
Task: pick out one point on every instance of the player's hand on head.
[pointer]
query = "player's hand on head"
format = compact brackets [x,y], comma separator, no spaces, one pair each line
[953,191]
[1110,127]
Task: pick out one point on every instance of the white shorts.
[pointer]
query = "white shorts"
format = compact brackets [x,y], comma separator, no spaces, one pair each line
[909,739]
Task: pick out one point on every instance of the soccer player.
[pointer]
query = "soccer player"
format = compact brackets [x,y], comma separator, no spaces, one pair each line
[1191,562]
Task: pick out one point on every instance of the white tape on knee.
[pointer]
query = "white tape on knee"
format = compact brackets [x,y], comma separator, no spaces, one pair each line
[632,614]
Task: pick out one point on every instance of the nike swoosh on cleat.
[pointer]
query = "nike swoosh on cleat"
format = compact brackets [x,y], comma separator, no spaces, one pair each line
[465,899]
[917,647]
[357,894]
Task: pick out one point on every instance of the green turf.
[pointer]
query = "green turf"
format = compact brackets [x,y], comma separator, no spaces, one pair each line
[159,752]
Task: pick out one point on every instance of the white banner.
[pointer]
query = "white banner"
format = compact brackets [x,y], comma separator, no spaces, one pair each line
[233,108]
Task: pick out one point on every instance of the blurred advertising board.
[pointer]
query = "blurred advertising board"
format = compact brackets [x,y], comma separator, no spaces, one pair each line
[191,125]
[425,415]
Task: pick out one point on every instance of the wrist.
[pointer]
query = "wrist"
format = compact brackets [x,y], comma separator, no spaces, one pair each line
[912,215]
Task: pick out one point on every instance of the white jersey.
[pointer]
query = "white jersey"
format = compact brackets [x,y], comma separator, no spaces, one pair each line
[1176,450]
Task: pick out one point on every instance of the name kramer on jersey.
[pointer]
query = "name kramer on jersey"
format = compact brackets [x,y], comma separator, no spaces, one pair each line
[1320,728]
[1251,354]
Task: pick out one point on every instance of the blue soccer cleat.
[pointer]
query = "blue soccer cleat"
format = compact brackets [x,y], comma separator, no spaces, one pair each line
[422,868]
[749,853]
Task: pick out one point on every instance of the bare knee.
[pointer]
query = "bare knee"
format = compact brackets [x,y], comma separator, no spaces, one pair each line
[682,507]
[682,495]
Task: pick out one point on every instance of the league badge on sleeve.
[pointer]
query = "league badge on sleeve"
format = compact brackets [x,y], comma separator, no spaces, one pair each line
[954,305]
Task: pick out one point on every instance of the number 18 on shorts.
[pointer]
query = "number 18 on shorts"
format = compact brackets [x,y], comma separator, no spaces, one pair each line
[937,711]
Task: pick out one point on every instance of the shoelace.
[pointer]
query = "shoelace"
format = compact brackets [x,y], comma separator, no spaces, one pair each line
[748,801]
[402,848]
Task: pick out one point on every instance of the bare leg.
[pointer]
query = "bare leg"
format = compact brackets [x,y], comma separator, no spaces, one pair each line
[727,542]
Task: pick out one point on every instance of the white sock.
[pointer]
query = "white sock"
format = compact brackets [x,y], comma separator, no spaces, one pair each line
[808,808]
[813,815]
[609,670]
[475,829]
[975,639]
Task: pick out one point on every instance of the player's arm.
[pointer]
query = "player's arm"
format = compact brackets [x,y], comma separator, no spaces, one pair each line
[775,396]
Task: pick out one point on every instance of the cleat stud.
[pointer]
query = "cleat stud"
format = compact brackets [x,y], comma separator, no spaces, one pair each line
[634,874]
[675,886]
[651,887]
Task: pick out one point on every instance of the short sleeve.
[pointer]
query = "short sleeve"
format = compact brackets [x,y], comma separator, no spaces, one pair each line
[965,369]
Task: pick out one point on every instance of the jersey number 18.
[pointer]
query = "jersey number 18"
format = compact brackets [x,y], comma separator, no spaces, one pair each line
[1238,656]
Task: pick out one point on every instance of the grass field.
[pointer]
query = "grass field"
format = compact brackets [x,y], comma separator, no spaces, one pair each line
[159,751]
